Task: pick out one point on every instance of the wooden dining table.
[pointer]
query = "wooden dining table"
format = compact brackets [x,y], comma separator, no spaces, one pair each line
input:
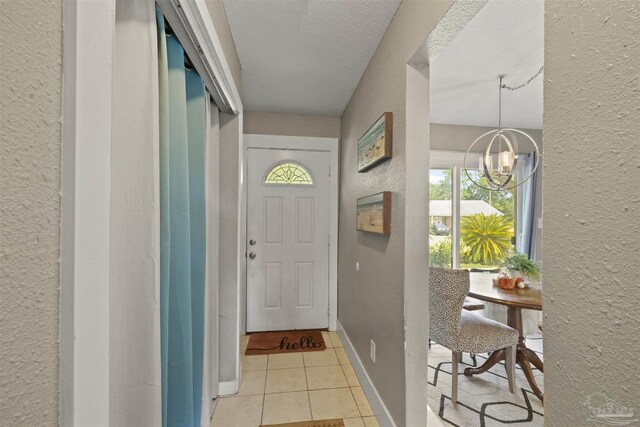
[515,300]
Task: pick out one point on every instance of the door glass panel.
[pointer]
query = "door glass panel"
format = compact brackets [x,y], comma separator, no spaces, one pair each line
[289,173]
[440,217]
[487,224]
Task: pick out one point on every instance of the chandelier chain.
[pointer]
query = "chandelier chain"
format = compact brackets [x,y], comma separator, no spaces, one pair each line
[504,86]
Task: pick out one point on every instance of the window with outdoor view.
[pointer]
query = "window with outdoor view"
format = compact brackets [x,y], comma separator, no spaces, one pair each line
[469,227]
[440,218]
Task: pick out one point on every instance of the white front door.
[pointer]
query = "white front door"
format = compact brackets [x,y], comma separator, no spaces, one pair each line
[287,240]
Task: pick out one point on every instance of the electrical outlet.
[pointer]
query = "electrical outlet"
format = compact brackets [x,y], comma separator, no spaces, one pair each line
[357,266]
[372,350]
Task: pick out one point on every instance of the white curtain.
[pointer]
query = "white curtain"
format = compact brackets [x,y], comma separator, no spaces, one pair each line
[134,374]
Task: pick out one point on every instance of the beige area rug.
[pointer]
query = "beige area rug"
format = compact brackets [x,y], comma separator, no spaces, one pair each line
[285,342]
[319,423]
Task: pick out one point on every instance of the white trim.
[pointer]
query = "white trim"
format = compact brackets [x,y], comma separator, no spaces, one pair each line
[191,21]
[86,187]
[455,225]
[211,371]
[333,237]
[306,144]
[241,271]
[228,388]
[377,404]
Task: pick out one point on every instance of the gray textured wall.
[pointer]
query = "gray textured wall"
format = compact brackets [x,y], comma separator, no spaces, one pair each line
[30,87]
[371,302]
[291,124]
[591,206]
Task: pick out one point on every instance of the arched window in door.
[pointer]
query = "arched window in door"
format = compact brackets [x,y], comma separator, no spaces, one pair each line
[288,173]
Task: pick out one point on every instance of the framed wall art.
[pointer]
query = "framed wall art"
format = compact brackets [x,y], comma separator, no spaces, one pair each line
[374,213]
[376,144]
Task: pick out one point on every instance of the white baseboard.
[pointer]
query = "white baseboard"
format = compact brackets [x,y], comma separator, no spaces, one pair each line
[377,404]
[226,388]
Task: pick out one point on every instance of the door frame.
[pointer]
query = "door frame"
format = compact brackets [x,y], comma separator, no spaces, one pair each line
[299,143]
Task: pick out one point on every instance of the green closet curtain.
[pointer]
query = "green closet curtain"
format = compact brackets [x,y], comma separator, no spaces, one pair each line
[182,232]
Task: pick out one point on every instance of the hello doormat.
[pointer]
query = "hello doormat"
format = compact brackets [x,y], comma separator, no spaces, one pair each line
[284,342]
[319,423]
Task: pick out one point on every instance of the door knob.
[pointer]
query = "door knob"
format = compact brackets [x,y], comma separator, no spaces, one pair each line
[252,242]
[252,255]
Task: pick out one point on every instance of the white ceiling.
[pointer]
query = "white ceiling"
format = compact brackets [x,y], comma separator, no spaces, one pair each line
[505,37]
[305,56]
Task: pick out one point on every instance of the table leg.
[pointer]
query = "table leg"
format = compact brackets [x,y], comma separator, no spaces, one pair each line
[533,358]
[525,357]
[528,373]
[495,357]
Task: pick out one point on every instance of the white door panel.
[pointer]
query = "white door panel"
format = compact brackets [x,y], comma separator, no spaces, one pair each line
[287,243]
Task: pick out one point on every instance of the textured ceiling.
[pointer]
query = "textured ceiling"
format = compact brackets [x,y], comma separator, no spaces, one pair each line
[505,37]
[305,56]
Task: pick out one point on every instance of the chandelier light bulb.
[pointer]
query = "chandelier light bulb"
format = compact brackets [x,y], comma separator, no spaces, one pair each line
[505,162]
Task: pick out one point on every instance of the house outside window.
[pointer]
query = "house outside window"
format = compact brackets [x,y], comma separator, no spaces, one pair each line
[470,227]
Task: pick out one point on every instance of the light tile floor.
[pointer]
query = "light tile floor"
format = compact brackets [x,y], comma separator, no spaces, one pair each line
[283,388]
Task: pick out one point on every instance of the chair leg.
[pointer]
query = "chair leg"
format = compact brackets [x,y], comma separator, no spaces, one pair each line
[455,355]
[511,368]
[459,357]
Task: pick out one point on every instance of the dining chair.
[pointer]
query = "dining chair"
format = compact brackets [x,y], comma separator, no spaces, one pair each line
[469,304]
[463,331]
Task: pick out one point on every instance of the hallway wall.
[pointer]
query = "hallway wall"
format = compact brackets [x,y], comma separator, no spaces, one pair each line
[291,124]
[30,105]
[371,301]
[591,206]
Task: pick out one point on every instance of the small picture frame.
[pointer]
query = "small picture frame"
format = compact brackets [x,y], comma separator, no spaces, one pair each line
[375,145]
[374,213]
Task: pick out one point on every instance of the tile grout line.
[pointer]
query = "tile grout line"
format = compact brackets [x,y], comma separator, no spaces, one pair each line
[357,406]
[264,395]
[292,391]
[306,381]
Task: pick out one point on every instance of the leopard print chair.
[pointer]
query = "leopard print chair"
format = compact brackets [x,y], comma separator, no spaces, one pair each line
[462,331]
